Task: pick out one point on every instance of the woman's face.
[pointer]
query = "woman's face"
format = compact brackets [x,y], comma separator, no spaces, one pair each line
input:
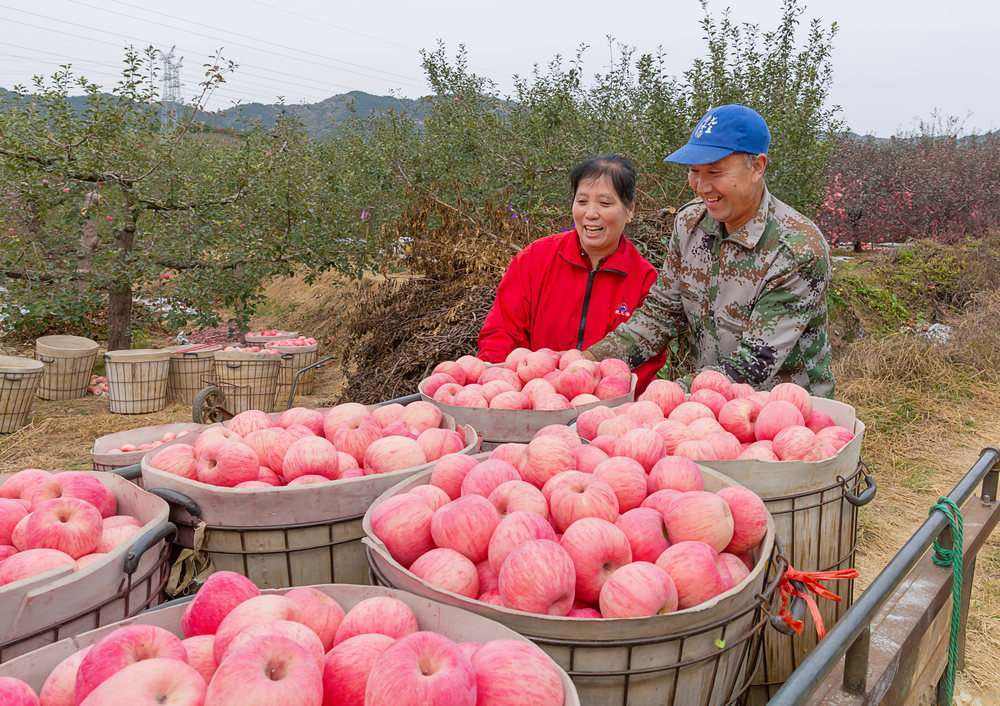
[599,216]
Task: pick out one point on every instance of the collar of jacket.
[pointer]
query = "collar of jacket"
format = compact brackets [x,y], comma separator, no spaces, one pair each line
[750,232]
[572,252]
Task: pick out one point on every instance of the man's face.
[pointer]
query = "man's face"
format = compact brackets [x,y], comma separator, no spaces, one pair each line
[730,187]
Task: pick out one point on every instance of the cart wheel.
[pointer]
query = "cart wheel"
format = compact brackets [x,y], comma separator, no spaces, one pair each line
[209,406]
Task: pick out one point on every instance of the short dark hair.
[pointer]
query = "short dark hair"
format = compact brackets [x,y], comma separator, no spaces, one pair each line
[619,169]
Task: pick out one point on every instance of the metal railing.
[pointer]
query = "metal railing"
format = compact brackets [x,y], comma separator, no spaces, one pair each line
[852,633]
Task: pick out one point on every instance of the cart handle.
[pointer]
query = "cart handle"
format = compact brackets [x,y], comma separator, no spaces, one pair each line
[405,399]
[175,497]
[128,472]
[145,542]
[866,495]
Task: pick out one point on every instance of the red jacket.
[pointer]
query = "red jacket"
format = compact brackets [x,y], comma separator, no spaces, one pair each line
[550,297]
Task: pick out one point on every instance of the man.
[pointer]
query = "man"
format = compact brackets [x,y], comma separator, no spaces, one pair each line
[745,277]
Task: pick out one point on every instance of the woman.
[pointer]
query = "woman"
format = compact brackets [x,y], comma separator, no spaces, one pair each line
[570,289]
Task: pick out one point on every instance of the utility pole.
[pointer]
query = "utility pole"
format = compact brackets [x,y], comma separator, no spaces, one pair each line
[171,100]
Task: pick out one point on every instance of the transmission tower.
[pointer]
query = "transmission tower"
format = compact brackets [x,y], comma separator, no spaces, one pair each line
[171,100]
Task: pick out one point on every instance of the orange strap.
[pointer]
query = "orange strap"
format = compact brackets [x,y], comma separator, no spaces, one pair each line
[811,580]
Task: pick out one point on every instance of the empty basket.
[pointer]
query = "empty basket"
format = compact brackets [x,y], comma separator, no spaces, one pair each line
[19,379]
[69,362]
[137,380]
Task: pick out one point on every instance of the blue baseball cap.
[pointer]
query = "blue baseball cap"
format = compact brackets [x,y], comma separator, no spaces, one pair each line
[722,131]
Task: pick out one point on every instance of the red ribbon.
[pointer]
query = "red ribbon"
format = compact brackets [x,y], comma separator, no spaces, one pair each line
[811,580]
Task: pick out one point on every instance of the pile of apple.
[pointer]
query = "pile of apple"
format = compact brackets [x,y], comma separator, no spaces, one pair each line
[145,446]
[718,421]
[305,446]
[244,648]
[559,527]
[51,520]
[539,380]
[301,341]
[267,333]
[98,385]
[250,349]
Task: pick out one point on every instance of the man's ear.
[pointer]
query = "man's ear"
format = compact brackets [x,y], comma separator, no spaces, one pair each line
[760,165]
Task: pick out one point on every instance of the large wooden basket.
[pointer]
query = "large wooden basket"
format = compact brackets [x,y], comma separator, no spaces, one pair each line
[69,361]
[701,656]
[19,379]
[137,380]
[62,603]
[815,508]
[281,536]
[459,625]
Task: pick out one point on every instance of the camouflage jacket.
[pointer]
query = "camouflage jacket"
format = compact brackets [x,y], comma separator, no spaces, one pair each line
[752,303]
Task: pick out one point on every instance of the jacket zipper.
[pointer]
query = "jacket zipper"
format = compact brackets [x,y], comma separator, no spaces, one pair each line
[586,305]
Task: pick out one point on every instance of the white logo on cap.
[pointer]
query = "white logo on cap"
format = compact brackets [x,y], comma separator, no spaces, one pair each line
[705,126]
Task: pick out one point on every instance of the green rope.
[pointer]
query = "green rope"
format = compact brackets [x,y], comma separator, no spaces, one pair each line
[945,557]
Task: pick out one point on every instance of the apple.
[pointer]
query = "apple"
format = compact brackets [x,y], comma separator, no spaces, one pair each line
[421,415]
[227,464]
[712,380]
[700,516]
[687,412]
[587,422]
[312,419]
[749,518]
[432,495]
[267,671]
[380,614]
[297,632]
[121,648]
[545,457]
[646,532]
[32,562]
[310,456]
[317,611]
[177,459]
[15,484]
[59,688]
[661,501]
[577,500]
[439,442]
[626,478]
[597,549]
[638,590]
[538,577]
[612,387]
[665,393]
[201,655]
[487,476]
[514,673]
[732,569]
[449,472]
[71,525]
[86,487]
[253,611]
[221,592]
[775,416]
[587,458]
[448,570]
[403,524]
[673,433]
[617,426]
[514,530]
[692,567]
[737,417]
[249,421]
[356,435]
[151,682]
[488,578]
[346,668]
[514,495]
[11,512]
[675,473]
[270,445]
[114,536]
[422,669]
[795,394]
[342,414]
[393,453]
[466,526]
[212,438]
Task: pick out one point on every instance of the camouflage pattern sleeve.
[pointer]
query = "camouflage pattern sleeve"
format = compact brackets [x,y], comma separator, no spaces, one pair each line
[654,324]
[792,300]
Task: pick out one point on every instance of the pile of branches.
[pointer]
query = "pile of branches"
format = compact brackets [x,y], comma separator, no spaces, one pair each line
[448,265]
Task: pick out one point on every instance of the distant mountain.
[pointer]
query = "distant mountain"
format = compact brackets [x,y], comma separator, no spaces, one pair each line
[318,118]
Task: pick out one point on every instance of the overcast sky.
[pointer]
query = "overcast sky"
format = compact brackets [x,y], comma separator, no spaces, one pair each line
[895,61]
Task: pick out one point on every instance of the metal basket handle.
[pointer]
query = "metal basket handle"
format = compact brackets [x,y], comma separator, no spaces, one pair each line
[797,606]
[405,399]
[145,542]
[45,358]
[866,495]
[132,472]
[175,497]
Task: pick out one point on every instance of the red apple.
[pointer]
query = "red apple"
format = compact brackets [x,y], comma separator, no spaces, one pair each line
[545,457]
[114,536]
[514,495]
[317,611]
[587,422]
[14,692]
[626,477]
[487,476]
[270,445]
[342,414]
[575,501]
[312,419]
[712,380]
[749,518]
[597,549]
[538,577]
[382,615]
[687,412]
[692,567]
[638,590]
[587,458]
[249,421]
[221,592]
[32,562]
[123,647]
[59,688]
[310,456]
[422,669]
[386,414]
[737,417]
[227,464]
[466,526]
[675,473]
[700,516]
[515,673]
[775,416]
[403,524]
[793,443]
[253,611]
[488,579]
[15,484]
[665,393]
[201,655]
[449,472]
[11,512]
[296,632]
[393,453]
[421,415]
[346,669]
[448,570]
[797,395]
[646,532]
[267,671]
[514,530]
[432,495]
[177,459]
[70,525]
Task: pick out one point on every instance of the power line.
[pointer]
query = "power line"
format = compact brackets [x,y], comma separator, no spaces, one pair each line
[247,46]
[263,89]
[316,84]
[247,36]
[327,22]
